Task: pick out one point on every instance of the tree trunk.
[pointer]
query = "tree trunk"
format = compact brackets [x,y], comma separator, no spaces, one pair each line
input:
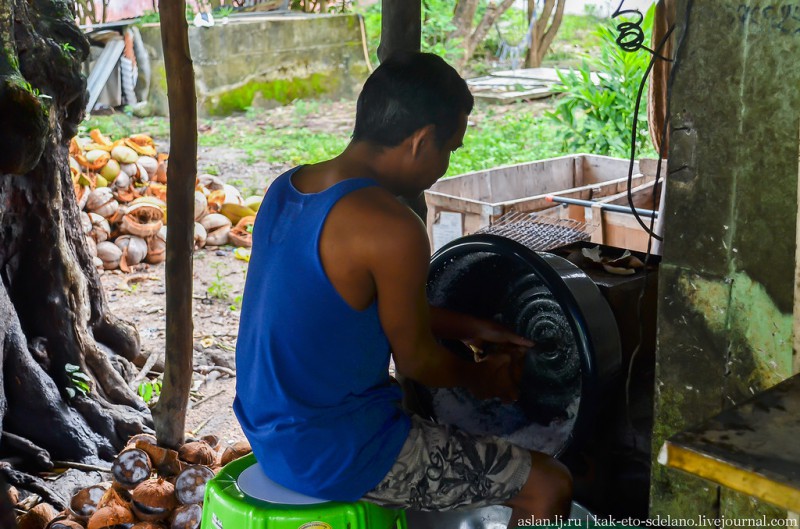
[463,19]
[52,307]
[170,411]
[542,34]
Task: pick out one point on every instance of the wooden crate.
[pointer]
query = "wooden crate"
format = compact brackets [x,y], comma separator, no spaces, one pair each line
[463,204]
[614,228]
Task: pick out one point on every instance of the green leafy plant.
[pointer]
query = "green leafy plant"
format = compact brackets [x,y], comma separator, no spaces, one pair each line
[81,383]
[223,11]
[150,17]
[595,112]
[237,303]
[437,24]
[220,288]
[149,390]
[66,47]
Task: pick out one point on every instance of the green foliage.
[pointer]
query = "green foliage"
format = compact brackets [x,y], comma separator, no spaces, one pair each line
[220,287]
[66,47]
[237,303]
[149,390]
[514,137]
[372,27]
[150,17]
[289,145]
[121,125]
[81,383]
[223,11]
[595,113]
[437,23]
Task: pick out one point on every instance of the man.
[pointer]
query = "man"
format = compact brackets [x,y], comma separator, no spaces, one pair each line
[337,284]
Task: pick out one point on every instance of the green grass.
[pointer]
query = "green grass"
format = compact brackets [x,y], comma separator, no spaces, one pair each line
[120,125]
[295,146]
[516,137]
[578,30]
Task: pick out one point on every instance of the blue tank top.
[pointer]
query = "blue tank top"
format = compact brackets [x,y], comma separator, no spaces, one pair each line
[313,393]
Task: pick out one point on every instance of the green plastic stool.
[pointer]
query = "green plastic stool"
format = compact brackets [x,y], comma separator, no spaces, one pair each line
[227,507]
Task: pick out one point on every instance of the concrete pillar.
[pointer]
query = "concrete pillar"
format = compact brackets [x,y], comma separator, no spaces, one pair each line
[727,278]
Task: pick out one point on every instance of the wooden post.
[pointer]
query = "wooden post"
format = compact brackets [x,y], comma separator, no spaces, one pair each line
[401,30]
[401,27]
[169,413]
[796,312]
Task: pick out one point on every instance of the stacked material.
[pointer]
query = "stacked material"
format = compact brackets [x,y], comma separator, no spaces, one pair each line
[121,187]
[150,488]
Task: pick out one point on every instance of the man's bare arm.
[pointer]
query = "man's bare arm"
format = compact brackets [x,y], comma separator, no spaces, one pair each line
[398,263]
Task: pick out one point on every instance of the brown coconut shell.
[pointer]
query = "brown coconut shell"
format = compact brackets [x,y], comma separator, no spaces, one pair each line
[84,502]
[186,517]
[190,485]
[133,226]
[197,453]
[239,236]
[235,451]
[157,247]
[64,523]
[111,515]
[38,517]
[13,495]
[145,437]
[122,494]
[149,525]
[166,461]
[131,467]
[153,500]
[211,440]
[157,190]
[115,494]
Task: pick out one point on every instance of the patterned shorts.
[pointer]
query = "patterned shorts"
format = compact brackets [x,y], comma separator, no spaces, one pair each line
[441,468]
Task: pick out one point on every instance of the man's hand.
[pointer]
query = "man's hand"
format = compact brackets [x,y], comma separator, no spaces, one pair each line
[498,375]
[488,337]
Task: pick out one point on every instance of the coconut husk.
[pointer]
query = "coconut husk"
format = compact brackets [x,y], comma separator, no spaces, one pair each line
[240,235]
[110,516]
[38,517]
[165,461]
[235,451]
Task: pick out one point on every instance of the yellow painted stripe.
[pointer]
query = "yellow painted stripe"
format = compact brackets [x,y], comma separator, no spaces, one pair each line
[735,478]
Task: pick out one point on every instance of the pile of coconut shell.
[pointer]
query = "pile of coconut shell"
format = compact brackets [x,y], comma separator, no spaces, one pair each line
[121,187]
[151,488]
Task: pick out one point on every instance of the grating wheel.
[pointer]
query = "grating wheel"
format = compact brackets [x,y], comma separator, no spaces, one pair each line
[539,232]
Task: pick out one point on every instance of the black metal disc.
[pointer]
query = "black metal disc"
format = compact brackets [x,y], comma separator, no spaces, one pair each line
[548,300]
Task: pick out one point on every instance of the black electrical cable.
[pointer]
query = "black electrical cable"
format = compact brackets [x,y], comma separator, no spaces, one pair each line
[633,133]
[631,35]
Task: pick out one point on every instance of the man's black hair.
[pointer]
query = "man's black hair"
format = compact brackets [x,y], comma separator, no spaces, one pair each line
[407,92]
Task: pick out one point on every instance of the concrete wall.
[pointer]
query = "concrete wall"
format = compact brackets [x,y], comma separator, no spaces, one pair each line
[266,61]
[726,280]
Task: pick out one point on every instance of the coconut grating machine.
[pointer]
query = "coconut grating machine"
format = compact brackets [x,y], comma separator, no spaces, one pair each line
[587,390]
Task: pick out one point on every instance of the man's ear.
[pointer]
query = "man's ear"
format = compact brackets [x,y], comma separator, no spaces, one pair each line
[422,138]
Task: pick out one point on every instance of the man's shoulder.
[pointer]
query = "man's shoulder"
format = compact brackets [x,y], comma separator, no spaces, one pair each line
[378,224]
[375,208]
